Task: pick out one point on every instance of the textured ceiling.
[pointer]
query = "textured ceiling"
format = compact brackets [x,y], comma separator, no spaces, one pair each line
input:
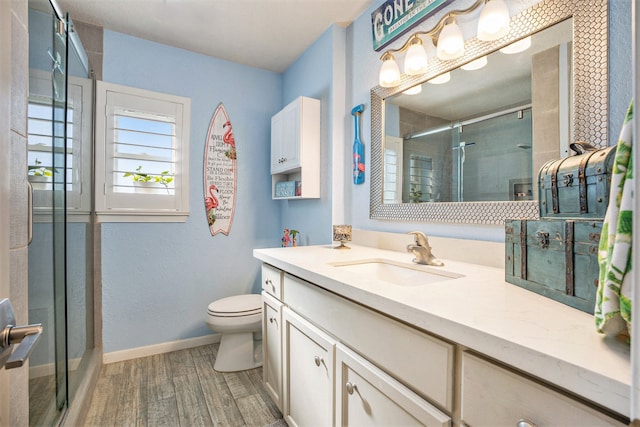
[268,34]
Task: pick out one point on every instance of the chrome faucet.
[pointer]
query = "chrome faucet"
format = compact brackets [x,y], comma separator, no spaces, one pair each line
[422,250]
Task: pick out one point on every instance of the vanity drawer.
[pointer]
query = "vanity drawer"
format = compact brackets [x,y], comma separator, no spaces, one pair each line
[495,396]
[272,281]
[420,361]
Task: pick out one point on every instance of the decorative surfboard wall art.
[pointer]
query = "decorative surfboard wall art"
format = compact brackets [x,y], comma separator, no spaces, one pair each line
[220,173]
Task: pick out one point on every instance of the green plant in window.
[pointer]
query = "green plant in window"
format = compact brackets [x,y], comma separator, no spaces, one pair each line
[163,178]
[38,170]
[415,195]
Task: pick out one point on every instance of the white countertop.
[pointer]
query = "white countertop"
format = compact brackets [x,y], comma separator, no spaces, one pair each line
[481,311]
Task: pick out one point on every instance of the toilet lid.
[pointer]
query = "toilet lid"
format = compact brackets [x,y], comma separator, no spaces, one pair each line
[236,306]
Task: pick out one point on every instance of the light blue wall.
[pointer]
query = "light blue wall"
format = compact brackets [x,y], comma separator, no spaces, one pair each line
[311,76]
[159,277]
[364,64]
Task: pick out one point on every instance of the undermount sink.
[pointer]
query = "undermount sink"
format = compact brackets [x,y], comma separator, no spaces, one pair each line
[396,272]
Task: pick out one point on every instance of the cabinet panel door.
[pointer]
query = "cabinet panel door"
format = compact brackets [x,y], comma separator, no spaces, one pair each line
[308,373]
[366,396]
[277,138]
[495,396]
[291,138]
[272,347]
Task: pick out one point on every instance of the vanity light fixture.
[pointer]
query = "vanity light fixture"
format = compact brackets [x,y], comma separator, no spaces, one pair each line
[517,47]
[494,21]
[389,73]
[450,42]
[476,64]
[493,24]
[415,61]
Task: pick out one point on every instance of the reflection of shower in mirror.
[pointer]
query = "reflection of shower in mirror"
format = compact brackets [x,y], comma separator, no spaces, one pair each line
[461,146]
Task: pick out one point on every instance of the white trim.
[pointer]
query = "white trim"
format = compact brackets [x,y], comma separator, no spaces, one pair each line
[150,350]
[111,98]
[141,217]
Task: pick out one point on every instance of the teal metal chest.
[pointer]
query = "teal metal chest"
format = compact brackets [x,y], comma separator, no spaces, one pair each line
[555,258]
[576,186]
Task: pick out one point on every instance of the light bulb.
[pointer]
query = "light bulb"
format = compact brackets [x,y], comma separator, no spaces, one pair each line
[413,90]
[415,61]
[476,64]
[494,21]
[450,42]
[517,47]
[389,72]
[442,78]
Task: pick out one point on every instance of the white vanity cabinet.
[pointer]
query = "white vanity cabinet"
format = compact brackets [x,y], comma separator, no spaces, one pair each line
[295,148]
[272,333]
[367,396]
[308,373]
[495,396]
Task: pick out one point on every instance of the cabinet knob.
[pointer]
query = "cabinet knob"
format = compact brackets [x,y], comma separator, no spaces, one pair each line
[350,387]
[525,423]
[317,360]
[273,320]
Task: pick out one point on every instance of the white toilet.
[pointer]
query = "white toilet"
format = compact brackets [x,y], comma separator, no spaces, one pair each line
[239,320]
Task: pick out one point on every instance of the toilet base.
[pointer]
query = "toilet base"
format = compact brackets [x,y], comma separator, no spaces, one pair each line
[238,352]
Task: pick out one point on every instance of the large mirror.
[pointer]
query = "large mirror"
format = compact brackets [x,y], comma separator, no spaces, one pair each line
[469,150]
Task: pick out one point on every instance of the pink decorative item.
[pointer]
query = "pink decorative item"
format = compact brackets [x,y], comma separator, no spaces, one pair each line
[286,239]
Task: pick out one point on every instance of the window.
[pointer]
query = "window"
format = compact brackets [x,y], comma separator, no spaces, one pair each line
[420,178]
[46,123]
[392,192]
[142,155]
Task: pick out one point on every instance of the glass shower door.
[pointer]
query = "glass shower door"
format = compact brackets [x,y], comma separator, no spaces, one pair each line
[47,264]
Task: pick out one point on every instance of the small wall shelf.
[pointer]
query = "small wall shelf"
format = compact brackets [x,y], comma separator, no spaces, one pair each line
[295,150]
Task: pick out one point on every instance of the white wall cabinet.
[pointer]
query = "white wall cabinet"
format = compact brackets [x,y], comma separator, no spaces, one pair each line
[308,373]
[295,148]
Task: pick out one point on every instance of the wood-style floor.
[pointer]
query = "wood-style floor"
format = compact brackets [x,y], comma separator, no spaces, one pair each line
[179,389]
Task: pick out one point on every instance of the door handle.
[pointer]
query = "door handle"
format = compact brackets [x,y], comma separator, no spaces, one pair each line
[27,336]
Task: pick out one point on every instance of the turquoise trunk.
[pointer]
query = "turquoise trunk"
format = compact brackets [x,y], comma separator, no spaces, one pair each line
[555,258]
[576,186]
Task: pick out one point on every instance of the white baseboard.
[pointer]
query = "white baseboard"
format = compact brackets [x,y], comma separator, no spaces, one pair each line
[150,350]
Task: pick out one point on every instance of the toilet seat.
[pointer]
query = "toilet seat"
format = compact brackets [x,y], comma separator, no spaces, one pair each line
[236,306]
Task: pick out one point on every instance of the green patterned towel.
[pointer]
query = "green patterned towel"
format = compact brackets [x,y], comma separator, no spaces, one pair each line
[613,300]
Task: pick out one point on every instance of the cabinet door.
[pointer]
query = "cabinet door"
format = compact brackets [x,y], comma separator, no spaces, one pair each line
[285,138]
[291,135]
[272,347]
[277,138]
[495,396]
[308,373]
[366,396]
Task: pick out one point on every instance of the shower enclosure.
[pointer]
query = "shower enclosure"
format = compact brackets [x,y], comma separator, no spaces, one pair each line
[61,250]
[486,158]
